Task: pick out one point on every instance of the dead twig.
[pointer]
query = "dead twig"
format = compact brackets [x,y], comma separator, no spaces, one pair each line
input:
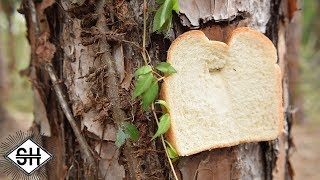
[144,32]
[67,111]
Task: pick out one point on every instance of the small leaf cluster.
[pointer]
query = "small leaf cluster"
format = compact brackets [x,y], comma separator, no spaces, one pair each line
[148,88]
[163,17]
[126,131]
[148,83]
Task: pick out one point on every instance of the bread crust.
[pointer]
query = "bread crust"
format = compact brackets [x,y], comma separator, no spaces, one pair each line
[280,99]
[170,135]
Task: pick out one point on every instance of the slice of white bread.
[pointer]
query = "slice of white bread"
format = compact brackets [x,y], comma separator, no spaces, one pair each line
[222,94]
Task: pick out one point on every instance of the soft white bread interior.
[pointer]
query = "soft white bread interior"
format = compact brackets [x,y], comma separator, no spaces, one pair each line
[222,94]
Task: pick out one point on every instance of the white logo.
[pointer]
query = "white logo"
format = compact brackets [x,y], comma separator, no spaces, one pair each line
[28,156]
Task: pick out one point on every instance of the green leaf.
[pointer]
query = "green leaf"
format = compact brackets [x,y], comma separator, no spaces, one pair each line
[171,147]
[163,125]
[143,70]
[172,152]
[144,82]
[163,103]
[132,131]
[156,20]
[162,19]
[121,138]
[165,68]
[172,155]
[163,13]
[167,25]
[150,95]
[175,6]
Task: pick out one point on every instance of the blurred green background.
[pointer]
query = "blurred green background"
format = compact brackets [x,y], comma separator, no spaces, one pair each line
[309,83]
[19,99]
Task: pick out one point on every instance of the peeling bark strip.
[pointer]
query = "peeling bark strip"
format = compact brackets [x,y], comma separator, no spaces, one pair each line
[255,13]
[94,47]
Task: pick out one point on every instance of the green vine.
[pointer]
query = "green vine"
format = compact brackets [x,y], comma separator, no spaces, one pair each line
[148,79]
[147,88]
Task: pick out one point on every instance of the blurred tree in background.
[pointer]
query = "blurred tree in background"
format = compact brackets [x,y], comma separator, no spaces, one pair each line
[310,63]
[3,84]
[8,7]
[14,57]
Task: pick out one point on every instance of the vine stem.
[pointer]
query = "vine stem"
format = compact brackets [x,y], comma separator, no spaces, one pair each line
[144,32]
[164,144]
[157,74]
[161,78]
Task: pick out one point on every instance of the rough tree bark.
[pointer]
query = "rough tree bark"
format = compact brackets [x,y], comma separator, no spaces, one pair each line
[94,46]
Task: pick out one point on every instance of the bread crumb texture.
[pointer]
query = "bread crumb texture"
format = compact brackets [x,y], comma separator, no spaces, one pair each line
[222,94]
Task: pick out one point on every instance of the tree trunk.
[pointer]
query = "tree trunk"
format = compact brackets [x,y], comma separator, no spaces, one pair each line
[94,48]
